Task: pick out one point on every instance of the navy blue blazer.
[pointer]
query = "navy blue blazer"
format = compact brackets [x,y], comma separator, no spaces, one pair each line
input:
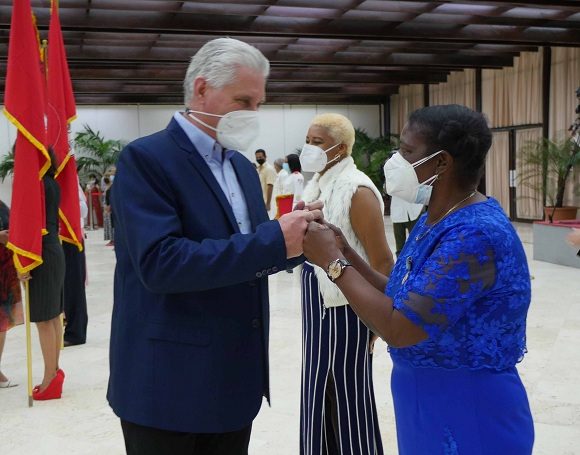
[189,335]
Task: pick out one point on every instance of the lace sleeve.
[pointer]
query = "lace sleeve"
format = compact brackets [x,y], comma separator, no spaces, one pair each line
[458,272]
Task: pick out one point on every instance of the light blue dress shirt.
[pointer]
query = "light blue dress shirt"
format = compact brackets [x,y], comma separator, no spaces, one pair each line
[219,162]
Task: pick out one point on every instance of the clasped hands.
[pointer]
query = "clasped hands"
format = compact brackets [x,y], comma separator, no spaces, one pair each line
[306,231]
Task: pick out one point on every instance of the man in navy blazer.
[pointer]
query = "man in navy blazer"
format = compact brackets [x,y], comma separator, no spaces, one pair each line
[194,247]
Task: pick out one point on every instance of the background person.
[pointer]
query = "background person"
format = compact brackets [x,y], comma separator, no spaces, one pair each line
[107,215]
[46,292]
[338,412]
[404,216]
[267,177]
[75,277]
[93,193]
[454,310]
[280,166]
[294,183]
[189,334]
[10,294]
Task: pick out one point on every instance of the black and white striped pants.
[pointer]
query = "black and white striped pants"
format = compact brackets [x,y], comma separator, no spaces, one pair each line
[337,410]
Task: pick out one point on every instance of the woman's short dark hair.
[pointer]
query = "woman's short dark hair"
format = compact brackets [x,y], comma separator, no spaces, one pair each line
[53,162]
[458,130]
[294,162]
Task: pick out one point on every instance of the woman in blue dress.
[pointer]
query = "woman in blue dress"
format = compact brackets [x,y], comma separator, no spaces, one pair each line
[454,308]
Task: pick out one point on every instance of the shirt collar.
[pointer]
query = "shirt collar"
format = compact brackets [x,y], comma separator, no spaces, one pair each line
[207,146]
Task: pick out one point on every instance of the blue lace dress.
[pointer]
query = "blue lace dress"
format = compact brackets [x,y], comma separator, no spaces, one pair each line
[465,281]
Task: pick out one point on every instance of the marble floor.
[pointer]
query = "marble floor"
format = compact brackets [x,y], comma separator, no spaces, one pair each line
[81,423]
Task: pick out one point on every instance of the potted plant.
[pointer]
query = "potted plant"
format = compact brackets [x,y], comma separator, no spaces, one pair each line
[370,155]
[94,153]
[548,165]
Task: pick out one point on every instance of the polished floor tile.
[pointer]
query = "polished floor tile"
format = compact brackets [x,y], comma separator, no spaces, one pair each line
[81,423]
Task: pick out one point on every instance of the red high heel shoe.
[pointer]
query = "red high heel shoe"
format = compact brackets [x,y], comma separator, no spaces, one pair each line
[52,392]
[59,372]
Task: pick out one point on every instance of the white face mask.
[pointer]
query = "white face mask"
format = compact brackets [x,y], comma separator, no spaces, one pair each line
[235,130]
[401,179]
[314,159]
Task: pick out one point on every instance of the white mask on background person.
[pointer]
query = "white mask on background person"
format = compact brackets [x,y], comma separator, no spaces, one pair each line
[235,130]
[314,159]
[286,167]
[401,179]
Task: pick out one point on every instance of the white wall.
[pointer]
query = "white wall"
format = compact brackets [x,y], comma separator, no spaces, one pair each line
[282,130]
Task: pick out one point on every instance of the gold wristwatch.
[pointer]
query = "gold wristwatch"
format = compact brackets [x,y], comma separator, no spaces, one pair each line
[336,268]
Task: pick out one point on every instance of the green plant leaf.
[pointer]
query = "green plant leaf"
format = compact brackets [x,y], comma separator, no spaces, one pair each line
[7,165]
[94,153]
[370,154]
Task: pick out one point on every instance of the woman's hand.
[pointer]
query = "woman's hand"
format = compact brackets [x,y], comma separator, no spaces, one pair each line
[3,237]
[341,241]
[574,237]
[320,245]
[372,342]
[314,205]
[24,276]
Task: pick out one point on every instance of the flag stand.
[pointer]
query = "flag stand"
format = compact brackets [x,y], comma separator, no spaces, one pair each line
[28,342]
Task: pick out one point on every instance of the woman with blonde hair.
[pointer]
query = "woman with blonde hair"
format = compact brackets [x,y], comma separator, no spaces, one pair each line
[338,412]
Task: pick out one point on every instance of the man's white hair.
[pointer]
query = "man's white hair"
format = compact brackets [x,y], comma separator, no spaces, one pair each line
[217,62]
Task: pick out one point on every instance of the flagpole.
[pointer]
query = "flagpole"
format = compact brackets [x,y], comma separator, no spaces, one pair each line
[44,57]
[28,342]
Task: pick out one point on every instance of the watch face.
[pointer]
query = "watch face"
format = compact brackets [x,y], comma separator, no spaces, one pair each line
[334,269]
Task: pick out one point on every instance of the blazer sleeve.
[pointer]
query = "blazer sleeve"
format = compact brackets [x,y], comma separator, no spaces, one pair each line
[165,260]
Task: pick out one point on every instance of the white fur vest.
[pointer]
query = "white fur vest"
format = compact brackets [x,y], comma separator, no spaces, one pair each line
[336,189]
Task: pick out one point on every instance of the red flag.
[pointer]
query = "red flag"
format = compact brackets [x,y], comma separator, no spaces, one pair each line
[24,107]
[61,112]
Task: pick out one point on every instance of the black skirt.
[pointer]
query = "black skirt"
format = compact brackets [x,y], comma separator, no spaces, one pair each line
[47,283]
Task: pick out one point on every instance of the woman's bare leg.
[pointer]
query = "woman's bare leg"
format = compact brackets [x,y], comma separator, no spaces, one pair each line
[2,340]
[48,343]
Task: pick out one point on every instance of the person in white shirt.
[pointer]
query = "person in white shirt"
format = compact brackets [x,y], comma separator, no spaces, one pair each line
[267,177]
[404,216]
[294,183]
[74,296]
[280,166]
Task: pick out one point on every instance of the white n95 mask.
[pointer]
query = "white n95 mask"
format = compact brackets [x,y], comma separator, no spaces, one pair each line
[235,130]
[314,159]
[401,179]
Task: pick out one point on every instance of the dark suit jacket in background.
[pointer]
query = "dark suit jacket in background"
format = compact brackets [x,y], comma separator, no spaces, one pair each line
[189,335]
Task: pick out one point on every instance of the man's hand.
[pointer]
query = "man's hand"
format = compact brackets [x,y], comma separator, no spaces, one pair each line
[3,237]
[573,237]
[294,225]
[268,207]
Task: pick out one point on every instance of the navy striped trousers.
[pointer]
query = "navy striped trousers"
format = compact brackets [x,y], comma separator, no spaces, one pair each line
[337,410]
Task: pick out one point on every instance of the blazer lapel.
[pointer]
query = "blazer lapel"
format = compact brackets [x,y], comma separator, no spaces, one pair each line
[203,170]
[251,188]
